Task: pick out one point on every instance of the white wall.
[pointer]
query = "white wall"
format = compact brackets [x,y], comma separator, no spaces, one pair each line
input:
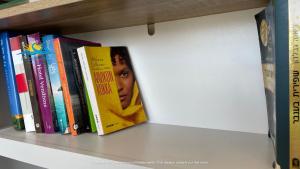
[200,72]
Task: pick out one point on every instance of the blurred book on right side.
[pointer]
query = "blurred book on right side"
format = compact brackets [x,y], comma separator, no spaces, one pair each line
[279,38]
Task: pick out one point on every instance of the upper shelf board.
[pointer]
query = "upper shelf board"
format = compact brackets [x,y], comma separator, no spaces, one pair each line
[77,16]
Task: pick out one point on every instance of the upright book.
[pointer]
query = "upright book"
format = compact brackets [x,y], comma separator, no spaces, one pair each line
[31,85]
[56,87]
[112,88]
[279,35]
[43,88]
[77,115]
[294,83]
[82,90]
[21,79]
[9,73]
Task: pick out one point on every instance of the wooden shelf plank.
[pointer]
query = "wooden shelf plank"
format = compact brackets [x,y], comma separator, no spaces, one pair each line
[147,143]
[75,16]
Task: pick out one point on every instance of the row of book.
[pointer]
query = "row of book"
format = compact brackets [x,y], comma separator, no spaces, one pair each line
[66,85]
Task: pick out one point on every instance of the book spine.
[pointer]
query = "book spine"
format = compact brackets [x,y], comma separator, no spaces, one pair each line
[90,110]
[294,83]
[14,101]
[56,84]
[22,83]
[39,69]
[50,95]
[86,120]
[282,83]
[31,86]
[90,88]
[65,87]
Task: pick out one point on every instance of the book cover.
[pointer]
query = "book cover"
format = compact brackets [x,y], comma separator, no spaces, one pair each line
[112,88]
[78,118]
[266,33]
[56,84]
[31,86]
[86,106]
[21,79]
[9,74]
[42,83]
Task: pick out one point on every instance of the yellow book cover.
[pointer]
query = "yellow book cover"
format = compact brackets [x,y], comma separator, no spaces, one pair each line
[112,88]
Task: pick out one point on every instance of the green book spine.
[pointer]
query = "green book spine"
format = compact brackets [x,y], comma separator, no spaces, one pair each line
[90,111]
[12,3]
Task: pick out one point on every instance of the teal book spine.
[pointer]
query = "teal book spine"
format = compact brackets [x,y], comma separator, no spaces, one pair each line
[56,88]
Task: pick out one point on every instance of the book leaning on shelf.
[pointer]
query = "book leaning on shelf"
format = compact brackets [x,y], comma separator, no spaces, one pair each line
[280,55]
[112,88]
[266,27]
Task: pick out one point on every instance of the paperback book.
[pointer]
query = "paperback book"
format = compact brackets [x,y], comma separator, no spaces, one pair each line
[56,87]
[31,85]
[43,88]
[82,90]
[112,88]
[22,86]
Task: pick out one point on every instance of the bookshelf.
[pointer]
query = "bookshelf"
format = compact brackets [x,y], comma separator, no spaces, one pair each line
[153,142]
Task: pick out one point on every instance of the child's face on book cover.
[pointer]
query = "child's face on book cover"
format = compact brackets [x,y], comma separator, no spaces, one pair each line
[124,78]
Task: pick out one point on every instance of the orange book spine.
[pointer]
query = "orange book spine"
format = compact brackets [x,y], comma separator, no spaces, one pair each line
[65,87]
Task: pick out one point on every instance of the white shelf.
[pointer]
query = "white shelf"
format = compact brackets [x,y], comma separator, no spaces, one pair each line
[150,143]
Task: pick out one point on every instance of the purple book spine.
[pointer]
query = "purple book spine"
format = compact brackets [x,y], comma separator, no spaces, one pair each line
[39,69]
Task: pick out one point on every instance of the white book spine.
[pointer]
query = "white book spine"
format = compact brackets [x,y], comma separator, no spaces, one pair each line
[90,88]
[24,95]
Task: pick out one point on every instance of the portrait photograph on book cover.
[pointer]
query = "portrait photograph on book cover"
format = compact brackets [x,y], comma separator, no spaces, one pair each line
[127,86]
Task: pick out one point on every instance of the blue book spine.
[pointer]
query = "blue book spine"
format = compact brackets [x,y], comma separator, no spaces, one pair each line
[55,84]
[13,95]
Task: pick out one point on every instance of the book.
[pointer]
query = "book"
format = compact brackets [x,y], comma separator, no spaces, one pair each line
[43,88]
[31,86]
[21,80]
[10,3]
[266,33]
[112,88]
[78,117]
[279,33]
[9,74]
[86,106]
[56,84]
[294,83]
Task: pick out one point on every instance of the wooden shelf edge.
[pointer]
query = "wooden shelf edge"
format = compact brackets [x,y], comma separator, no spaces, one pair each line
[76,16]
